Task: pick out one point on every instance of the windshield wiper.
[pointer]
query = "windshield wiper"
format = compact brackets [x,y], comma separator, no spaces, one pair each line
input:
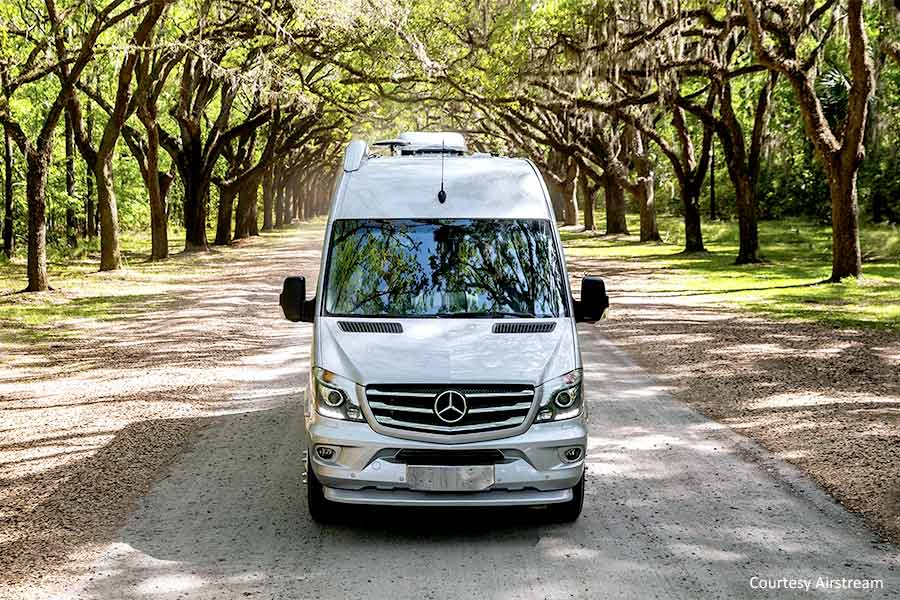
[487,314]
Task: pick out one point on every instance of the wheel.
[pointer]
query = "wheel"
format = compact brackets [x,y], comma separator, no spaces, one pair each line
[568,512]
[320,509]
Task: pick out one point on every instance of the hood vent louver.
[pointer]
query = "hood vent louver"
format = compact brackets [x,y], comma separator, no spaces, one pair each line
[370,327]
[530,327]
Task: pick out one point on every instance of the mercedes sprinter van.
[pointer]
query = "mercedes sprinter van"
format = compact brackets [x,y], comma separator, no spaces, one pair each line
[445,368]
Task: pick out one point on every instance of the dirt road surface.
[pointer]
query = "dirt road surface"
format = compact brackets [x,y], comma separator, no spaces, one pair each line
[677,505]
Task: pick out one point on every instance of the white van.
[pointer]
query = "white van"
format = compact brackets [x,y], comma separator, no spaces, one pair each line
[445,366]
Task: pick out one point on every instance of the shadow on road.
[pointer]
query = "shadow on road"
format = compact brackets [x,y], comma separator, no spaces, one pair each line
[674,509]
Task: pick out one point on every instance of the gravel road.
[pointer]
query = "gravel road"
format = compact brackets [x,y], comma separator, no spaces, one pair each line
[677,506]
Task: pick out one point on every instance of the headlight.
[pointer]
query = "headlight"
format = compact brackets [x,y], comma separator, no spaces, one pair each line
[334,396]
[563,398]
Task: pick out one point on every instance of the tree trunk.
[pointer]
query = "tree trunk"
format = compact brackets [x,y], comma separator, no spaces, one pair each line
[279,207]
[268,199]
[643,192]
[303,198]
[693,235]
[646,201]
[846,256]
[223,218]
[287,203]
[743,169]
[195,197]
[157,188]
[71,222]
[588,192]
[589,223]
[614,198]
[35,189]
[746,203]
[8,240]
[254,207]
[244,212]
[306,201]
[691,172]
[840,152]
[90,208]
[159,227]
[748,250]
[278,182]
[570,193]
[713,214]
[110,259]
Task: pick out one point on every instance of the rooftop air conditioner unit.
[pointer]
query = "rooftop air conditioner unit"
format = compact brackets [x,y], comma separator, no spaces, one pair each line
[433,142]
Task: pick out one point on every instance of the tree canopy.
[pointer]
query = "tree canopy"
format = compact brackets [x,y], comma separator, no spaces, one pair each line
[228,116]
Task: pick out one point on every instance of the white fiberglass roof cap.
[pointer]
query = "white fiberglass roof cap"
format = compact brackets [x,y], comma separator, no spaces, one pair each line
[435,139]
[476,187]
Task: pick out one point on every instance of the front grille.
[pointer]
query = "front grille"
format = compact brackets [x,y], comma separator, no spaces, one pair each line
[488,407]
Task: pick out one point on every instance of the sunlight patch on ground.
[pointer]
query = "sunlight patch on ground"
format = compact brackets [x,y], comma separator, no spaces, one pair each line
[800,399]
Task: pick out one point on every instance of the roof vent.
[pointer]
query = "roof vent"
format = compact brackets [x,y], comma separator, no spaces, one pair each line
[370,327]
[527,327]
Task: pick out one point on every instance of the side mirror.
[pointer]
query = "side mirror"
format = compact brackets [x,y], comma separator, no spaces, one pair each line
[594,302]
[293,300]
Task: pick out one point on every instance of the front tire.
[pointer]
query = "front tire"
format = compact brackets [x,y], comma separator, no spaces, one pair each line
[320,508]
[568,512]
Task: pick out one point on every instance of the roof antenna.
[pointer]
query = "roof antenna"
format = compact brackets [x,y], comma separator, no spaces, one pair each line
[442,195]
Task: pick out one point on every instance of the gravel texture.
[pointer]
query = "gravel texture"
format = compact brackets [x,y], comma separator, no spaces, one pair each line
[677,507]
[824,399]
[93,411]
[186,416]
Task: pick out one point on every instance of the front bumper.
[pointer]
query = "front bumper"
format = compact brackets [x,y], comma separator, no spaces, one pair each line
[364,469]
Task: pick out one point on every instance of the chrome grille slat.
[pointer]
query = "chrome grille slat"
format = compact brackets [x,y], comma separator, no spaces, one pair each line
[490,407]
[452,428]
[491,395]
[410,394]
[383,406]
[487,409]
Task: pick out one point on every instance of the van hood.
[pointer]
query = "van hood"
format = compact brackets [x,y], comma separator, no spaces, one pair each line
[446,351]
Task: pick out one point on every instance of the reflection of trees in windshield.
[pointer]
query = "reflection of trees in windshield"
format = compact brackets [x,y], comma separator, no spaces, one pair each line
[431,267]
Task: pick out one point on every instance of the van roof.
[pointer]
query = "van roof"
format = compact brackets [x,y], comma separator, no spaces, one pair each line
[477,187]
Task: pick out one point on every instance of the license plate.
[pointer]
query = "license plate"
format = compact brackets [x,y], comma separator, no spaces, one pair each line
[442,478]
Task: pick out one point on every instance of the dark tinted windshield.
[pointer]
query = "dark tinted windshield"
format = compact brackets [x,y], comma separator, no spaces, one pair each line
[458,267]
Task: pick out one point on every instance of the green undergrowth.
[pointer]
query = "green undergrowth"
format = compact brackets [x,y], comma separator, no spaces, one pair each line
[787,284]
[81,292]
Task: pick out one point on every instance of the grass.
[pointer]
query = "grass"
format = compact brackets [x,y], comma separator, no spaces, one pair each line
[81,292]
[797,253]
[788,284]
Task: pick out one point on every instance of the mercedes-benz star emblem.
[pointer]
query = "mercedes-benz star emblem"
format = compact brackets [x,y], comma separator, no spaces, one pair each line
[450,406]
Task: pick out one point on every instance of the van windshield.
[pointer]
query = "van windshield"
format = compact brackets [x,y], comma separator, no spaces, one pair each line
[444,268]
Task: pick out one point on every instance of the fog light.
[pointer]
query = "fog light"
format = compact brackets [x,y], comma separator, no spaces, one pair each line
[325,453]
[353,413]
[572,454]
[545,415]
